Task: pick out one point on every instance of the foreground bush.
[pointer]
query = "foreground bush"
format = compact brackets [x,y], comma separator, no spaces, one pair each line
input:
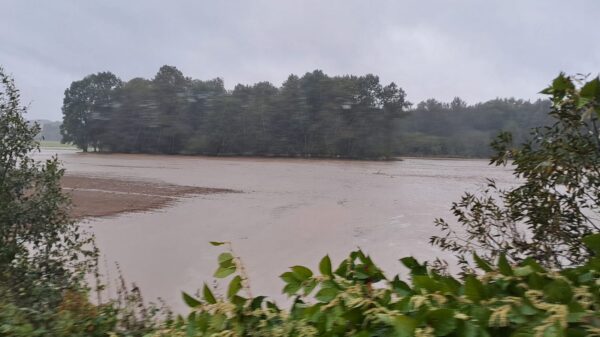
[545,282]
[44,255]
[356,299]
[557,199]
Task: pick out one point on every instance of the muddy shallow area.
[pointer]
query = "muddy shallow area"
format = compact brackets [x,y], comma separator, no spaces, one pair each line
[291,212]
[94,196]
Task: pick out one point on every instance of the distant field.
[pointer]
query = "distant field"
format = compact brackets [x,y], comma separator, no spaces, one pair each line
[55,143]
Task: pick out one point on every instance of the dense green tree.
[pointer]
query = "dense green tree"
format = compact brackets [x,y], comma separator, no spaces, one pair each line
[204,97]
[85,107]
[170,89]
[45,257]
[394,104]
[43,253]
[315,115]
[132,118]
[290,119]
[557,201]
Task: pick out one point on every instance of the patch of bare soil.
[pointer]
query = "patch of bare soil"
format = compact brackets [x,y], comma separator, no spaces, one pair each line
[98,197]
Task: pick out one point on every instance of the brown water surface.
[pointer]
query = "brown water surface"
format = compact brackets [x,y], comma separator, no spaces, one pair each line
[290,212]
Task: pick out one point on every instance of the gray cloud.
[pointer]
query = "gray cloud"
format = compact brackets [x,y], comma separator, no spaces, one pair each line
[477,50]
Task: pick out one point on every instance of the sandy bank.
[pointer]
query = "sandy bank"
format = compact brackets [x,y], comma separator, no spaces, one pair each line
[98,197]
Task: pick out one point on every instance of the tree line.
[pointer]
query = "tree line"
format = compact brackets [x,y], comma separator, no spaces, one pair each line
[312,115]
[49,130]
[456,129]
[315,115]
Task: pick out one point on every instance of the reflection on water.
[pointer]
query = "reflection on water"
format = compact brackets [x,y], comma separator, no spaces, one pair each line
[292,212]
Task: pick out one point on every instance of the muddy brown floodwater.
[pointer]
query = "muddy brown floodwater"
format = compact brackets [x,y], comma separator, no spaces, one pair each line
[289,212]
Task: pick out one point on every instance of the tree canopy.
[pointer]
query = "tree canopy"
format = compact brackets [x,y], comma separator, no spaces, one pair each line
[557,200]
[312,115]
[43,253]
[85,105]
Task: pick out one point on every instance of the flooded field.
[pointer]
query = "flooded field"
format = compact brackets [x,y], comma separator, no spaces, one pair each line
[289,212]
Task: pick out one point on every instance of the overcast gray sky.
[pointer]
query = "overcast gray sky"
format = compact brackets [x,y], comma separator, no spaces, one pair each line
[476,50]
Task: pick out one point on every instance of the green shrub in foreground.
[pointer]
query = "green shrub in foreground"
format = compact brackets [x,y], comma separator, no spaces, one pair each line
[44,255]
[356,299]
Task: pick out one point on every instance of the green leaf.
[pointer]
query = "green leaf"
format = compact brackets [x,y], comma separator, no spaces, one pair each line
[217,243]
[192,316]
[292,288]
[257,302]
[482,264]
[302,273]
[410,262]
[503,266]
[594,263]
[359,274]
[426,282]
[558,291]
[208,295]
[293,284]
[191,326]
[224,272]
[239,301]
[535,281]
[190,301]
[442,320]
[234,286]
[354,315]
[473,289]
[468,329]
[576,317]
[527,310]
[591,90]
[326,294]
[576,332]
[559,86]
[415,267]
[593,242]
[342,269]
[289,277]
[225,258]
[309,286]
[404,326]
[449,284]
[272,306]
[586,277]
[217,321]
[553,331]
[325,266]
[363,333]
[400,287]
[535,266]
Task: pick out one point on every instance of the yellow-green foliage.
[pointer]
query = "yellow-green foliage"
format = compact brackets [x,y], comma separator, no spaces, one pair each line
[356,299]
[75,317]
